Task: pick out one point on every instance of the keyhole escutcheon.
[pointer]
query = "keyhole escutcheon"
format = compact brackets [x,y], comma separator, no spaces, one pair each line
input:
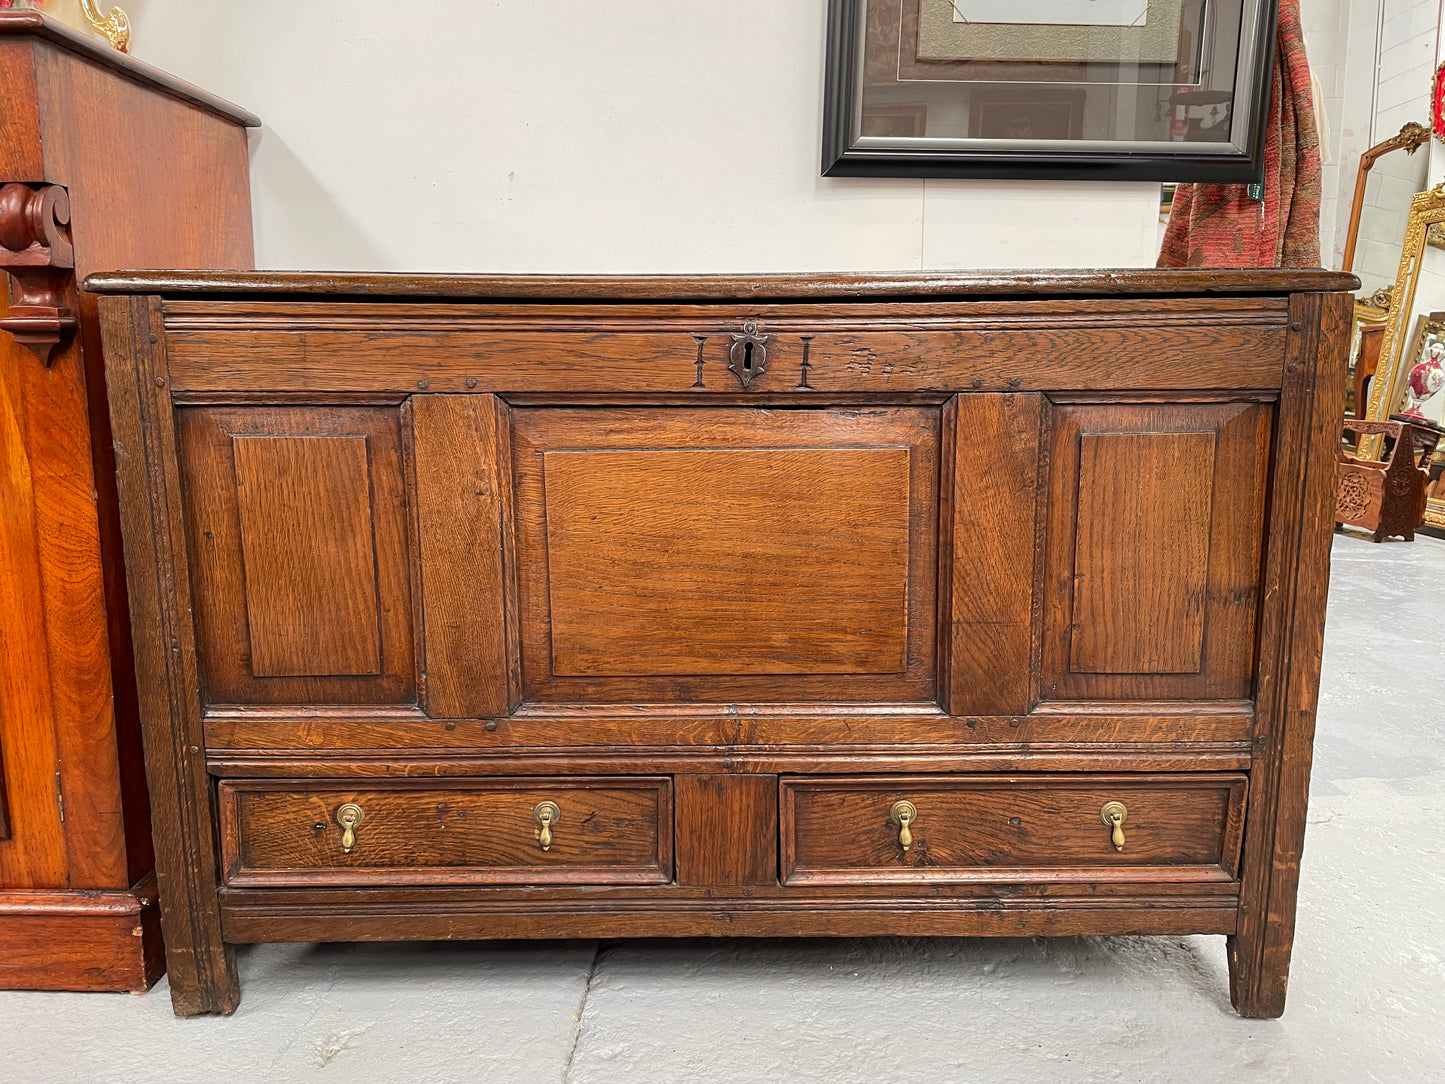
[748,355]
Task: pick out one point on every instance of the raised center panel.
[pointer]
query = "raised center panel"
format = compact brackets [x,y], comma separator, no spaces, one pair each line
[727,554]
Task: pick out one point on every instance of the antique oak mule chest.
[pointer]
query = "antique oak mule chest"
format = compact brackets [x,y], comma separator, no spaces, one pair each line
[484,607]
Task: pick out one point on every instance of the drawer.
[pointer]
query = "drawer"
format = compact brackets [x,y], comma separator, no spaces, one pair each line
[1011,828]
[291,832]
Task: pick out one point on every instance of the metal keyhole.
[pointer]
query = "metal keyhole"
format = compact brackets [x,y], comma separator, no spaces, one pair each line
[748,354]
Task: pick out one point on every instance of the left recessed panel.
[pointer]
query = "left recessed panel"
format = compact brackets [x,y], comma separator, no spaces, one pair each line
[297,518]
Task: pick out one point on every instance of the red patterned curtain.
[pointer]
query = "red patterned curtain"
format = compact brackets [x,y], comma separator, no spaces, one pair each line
[1219,225]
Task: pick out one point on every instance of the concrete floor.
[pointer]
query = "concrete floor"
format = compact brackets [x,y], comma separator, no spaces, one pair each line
[1367,993]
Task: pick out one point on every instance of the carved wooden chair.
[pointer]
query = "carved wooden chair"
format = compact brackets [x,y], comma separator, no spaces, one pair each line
[1386,495]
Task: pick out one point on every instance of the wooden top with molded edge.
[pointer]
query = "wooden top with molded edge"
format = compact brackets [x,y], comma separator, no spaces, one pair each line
[17,23]
[792,286]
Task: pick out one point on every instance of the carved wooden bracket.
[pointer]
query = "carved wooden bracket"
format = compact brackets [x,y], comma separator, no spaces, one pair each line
[35,249]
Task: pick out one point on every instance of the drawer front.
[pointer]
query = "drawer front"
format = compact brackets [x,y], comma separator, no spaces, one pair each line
[292,832]
[892,348]
[1011,828]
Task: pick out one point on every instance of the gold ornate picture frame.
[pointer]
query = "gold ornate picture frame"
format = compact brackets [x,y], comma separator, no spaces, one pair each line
[1429,331]
[1388,389]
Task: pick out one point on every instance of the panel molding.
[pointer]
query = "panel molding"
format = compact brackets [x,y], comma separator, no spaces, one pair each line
[1228,499]
[446,832]
[542,434]
[1187,825]
[367,527]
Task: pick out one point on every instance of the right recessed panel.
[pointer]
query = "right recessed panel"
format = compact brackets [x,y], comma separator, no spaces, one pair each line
[1156,516]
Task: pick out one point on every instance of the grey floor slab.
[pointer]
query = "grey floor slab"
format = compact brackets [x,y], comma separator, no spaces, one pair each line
[1367,993]
[369,1014]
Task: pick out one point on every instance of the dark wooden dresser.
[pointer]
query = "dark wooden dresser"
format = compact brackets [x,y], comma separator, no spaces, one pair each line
[104,162]
[485,607]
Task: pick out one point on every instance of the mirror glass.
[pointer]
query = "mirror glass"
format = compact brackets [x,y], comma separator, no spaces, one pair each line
[1410,381]
[1424,362]
[1389,187]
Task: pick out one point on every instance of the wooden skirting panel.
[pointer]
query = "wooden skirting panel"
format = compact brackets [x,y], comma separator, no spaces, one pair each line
[56,939]
[852,917]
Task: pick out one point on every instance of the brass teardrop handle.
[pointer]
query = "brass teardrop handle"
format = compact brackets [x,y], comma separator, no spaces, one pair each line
[904,814]
[349,817]
[546,814]
[1114,814]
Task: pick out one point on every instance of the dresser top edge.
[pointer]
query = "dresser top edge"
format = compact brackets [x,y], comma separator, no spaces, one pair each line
[736,287]
[20,22]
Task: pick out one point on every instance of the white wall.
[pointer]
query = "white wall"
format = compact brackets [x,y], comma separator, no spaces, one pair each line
[577,135]
[1408,41]
[1377,58]
[1326,26]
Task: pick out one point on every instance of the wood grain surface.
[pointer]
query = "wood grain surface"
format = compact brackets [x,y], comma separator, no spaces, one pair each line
[987,512]
[20,148]
[98,939]
[1010,829]
[1141,552]
[632,358]
[475,919]
[738,729]
[1296,581]
[727,561]
[155,173]
[201,965]
[461,461]
[571,288]
[306,548]
[34,854]
[727,829]
[452,832]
